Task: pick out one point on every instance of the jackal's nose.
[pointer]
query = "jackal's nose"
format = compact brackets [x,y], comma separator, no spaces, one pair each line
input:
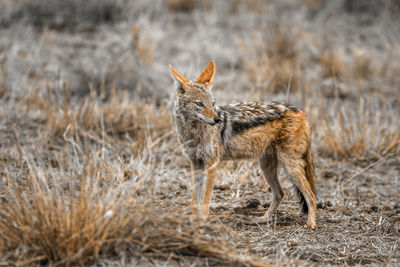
[217,120]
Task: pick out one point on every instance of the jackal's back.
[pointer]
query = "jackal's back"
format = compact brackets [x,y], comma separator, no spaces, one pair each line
[248,128]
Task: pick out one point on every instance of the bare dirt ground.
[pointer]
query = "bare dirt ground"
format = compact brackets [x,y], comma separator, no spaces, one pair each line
[91,171]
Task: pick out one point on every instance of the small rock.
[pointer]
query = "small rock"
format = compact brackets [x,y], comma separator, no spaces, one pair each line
[253,203]
[324,204]
[328,174]
[222,187]
[387,208]
[266,205]
[182,186]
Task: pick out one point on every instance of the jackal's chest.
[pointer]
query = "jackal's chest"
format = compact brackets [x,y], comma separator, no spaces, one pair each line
[197,143]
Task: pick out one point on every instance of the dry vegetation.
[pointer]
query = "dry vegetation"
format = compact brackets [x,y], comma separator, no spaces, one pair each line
[90,168]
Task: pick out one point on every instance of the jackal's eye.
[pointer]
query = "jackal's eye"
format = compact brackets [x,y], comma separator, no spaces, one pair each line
[198,103]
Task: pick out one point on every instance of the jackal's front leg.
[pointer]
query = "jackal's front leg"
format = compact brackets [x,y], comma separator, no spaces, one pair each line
[197,186]
[208,189]
[203,183]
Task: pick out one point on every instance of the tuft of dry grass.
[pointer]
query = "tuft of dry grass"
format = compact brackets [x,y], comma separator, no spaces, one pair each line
[363,66]
[364,132]
[332,64]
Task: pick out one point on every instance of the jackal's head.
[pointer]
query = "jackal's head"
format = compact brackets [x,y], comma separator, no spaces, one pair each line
[194,99]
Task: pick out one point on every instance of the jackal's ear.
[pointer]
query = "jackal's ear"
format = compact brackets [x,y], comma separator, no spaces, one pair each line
[207,75]
[179,78]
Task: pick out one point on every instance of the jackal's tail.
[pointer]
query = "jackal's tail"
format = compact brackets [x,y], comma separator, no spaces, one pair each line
[310,175]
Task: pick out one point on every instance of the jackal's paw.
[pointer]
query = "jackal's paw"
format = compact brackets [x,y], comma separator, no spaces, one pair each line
[310,226]
[203,213]
[199,216]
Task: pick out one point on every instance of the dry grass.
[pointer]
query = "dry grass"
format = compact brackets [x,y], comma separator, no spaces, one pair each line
[332,64]
[78,223]
[273,63]
[363,66]
[364,132]
[91,172]
[98,120]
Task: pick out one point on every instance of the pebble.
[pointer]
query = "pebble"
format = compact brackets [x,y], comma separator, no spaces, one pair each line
[253,203]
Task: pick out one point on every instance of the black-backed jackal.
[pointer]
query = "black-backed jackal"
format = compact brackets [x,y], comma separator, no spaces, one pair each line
[270,131]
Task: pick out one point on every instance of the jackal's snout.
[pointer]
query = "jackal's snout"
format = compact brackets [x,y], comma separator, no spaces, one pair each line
[211,115]
[214,121]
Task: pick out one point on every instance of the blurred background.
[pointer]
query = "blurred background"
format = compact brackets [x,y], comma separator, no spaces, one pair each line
[334,48]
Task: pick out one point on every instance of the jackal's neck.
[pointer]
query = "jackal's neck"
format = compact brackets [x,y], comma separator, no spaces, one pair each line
[198,139]
[192,132]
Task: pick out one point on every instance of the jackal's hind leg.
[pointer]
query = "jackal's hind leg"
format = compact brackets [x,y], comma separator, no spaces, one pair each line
[269,166]
[295,169]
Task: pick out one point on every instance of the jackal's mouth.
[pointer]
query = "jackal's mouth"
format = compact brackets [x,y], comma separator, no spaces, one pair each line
[214,121]
[210,121]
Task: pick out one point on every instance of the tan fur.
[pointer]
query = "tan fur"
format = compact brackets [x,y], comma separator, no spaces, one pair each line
[179,77]
[207,74]
[271,131]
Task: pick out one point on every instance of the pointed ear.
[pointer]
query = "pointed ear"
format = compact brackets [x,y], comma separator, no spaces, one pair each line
[207,75]
[177,76]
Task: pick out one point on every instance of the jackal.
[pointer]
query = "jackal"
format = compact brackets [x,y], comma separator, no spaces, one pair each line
[271,131]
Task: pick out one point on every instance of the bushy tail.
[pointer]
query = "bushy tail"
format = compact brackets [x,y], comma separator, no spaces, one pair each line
[311,178]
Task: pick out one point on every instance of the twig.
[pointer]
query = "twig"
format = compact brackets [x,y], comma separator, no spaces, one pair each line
[368,167]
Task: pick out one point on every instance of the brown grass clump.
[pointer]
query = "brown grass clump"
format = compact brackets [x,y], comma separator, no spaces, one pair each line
[362,64]
[361,133]
[332,64]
